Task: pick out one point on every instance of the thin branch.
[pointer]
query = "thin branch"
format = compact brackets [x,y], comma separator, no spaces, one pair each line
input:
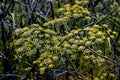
[12,75]
[96,53]
[2,55]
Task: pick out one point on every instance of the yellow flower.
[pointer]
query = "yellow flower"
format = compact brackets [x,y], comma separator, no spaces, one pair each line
[60,19]
[41,64]
[86,11]
[67,6]
[73,56]
[74,46]
[47,35]
[92,37]
[50,65]
[75,11]
[19,49]
[55,57]
[99,40]
[88,43]
[28,48]
[111,75]
[115,33]
[46,24]
[96,78]
[71,40]
[68,14]
[86,57]
[49,61]
[112,36]
[25,28]
[101,77]
[76,41]
[105,74]
[99,51]
[87,28]
[45,61]
[85,1]
[18,31]
[88,17]
[115,3]
[81,41]
[81,48]
[50,31]
[29,68]
[77,2]
[103,37]
[99,33]
[74,7]
[42,70]
[76,15]
[105,25]
[61,9]
[86,51]
[67,45]
[68,36]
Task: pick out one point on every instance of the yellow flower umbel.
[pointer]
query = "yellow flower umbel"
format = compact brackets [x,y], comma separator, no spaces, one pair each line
[68,11]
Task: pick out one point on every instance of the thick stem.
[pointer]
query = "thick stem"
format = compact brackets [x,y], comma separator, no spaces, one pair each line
[67,74]
[7,65]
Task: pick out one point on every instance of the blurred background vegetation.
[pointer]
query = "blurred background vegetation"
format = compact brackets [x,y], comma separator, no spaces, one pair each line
[59,40]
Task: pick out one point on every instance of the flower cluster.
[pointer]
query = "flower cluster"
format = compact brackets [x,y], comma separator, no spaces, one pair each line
[53,46]
[68,12]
